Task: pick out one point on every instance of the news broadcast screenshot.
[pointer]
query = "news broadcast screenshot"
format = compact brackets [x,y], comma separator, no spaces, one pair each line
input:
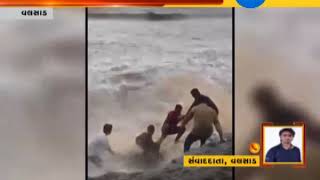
[159,90]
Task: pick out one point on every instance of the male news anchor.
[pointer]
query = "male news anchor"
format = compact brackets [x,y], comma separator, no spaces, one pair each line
[285,151]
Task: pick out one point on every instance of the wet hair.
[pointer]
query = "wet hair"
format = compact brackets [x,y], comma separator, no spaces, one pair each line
[195,91]
[151,128]
[107,128]
[178,106]
[290,130]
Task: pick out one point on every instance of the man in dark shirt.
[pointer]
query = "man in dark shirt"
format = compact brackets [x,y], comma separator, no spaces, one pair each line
[170,125]
[200,98]
[146,143]
[285,151]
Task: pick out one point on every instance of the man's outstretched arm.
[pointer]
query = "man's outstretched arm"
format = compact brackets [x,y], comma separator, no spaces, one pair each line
[187,118]
[217,124]
[192,105]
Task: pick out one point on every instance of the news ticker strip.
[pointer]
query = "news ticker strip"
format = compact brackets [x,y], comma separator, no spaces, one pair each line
[161,3]
[221,161]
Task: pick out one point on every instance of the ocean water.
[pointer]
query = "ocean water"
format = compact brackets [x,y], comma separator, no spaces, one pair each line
[144,61]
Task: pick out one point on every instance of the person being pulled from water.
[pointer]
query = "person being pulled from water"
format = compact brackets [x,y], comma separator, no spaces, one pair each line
[204,116]
[99,147]
[170,125]
[200,98]
[146,143]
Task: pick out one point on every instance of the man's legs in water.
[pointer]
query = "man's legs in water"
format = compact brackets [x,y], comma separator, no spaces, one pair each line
[95,160]
[203,141]
[170,131]
[189,141]
[163,136]
[181,130]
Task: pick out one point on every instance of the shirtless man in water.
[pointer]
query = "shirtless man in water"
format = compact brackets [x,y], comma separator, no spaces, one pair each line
[204,116]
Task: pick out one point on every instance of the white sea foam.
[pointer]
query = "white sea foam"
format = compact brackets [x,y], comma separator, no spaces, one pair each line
[140,66]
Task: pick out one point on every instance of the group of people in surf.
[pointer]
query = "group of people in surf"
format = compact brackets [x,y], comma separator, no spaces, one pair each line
[203,111]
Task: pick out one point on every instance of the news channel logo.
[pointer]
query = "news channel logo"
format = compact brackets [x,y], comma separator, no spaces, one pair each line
[250,3]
